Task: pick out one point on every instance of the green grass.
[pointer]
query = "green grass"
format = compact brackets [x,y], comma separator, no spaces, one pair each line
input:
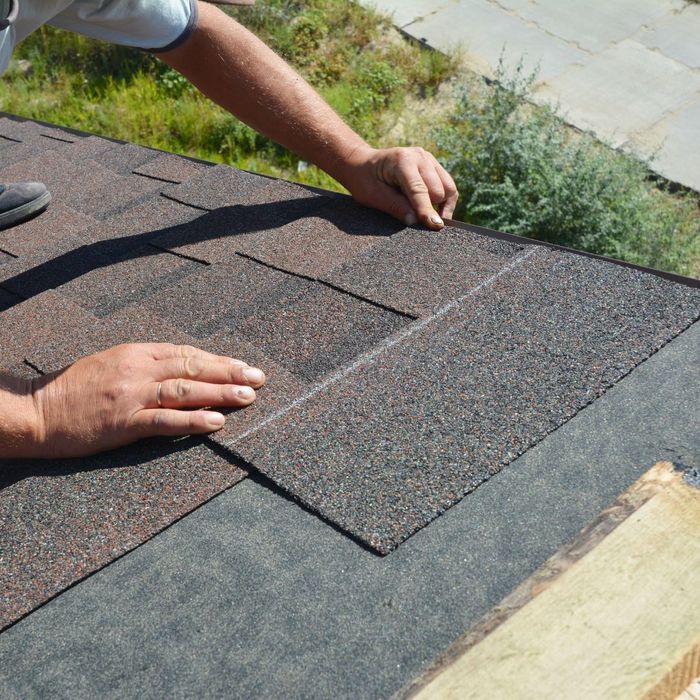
[339,47]
[518,167]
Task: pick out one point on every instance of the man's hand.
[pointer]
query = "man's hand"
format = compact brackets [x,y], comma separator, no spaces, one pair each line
[130,392]
[404,182]
[236,70]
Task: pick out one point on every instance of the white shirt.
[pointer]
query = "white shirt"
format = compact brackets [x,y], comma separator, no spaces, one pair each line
[156,25]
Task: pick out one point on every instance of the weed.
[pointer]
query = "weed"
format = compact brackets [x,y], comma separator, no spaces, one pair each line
[518,169]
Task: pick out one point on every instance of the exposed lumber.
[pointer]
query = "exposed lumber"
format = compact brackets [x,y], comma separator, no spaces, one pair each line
[612,615]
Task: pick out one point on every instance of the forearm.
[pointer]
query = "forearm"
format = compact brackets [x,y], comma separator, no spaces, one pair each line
[18,437]
[234,68]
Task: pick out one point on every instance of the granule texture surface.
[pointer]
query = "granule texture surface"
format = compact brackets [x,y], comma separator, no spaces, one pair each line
[35,321]
[280,390]
[53,264]
[129,325]
[170,168]
[404,367]
[8,299]
[220,186]
[387,446]
[319,242]
[125,158]
[318,330]
[418,273]
[143,223]
[57,223]
[61,520]
[88,148]
[221,294]
[84,185]
[126,281]
[218,234]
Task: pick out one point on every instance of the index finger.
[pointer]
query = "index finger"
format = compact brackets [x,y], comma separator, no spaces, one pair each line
[168,351]
[416,191]
[448,206]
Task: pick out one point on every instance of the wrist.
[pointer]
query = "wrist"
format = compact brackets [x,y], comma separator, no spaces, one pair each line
[352,166]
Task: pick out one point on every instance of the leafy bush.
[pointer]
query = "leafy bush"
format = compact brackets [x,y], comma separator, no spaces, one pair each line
[518,169]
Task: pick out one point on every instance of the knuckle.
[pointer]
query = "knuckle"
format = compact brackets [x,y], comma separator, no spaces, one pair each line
[183,388]
[186,350]
[191,367]
[417,186]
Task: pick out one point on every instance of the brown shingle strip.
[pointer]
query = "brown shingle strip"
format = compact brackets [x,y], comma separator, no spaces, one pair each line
[88,147]
[61,520]
[386,446]
[321,240]
[144,222]
[220,186]
[102,194]
[29,131]
[216,235]
[12,152]
[125,158]
[171,168]
[127,278]
[57,223]
[418,272]
[55,263]
[222,294]
[281,389]
[317,330]
[130,325]
[34,322]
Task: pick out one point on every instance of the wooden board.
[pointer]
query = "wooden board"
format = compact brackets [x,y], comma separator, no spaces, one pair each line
[615,614]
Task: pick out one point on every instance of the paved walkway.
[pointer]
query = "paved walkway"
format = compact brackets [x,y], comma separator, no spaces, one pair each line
[626,70]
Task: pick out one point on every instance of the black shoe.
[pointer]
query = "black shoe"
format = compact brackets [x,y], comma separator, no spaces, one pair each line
[21,201]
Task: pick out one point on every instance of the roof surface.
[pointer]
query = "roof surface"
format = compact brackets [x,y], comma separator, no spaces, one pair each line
[406,367]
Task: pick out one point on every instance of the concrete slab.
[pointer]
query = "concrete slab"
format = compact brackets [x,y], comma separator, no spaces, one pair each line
[591,26]
[675,141]
[484,32]
[621,91]
[252,597]
[676,35]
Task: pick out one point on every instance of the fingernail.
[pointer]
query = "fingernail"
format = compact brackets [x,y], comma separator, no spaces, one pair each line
[245,392]
[254,375]
[214,420]
[437,220]
[411,219]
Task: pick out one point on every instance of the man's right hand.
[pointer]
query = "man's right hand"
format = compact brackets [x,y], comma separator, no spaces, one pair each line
[131,392]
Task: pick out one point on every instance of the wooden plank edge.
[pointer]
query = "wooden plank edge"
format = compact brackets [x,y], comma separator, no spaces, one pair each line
[659,477]
[682,678]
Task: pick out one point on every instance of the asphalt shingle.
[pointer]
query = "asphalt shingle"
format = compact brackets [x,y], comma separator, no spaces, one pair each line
[220,186]
[171,168]
[318,330]
[397,438]
[61,520]
[127,279]
[221,295]
[130,325]
[57,223]
[102,194]
[418,273]
[311,246]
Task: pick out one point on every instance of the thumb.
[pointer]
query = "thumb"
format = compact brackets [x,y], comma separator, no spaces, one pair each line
[389,200]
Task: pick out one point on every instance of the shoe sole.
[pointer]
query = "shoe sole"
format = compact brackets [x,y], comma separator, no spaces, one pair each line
[26,211]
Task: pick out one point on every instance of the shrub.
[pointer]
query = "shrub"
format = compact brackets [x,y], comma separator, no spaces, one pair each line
[518,169]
